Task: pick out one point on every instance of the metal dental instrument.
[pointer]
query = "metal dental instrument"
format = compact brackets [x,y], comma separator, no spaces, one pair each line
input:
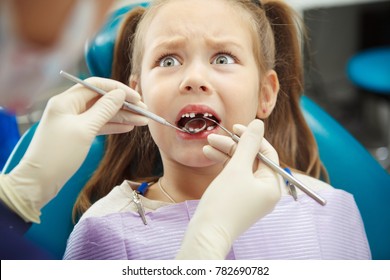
[140,208]
[127,105]
[192,130]
[291,188]
[275,167]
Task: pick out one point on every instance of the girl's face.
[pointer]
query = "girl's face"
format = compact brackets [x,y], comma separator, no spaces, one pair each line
[198,58]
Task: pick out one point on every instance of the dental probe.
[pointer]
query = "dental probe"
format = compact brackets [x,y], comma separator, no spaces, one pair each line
[126,104]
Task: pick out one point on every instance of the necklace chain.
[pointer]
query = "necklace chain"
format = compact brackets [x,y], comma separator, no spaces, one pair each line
[164,191]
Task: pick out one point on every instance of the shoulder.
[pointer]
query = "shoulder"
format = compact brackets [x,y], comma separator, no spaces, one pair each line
[313,183]
[326,190]
[118,200]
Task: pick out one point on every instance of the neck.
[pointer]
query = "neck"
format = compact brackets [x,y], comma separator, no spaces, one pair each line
[188,183]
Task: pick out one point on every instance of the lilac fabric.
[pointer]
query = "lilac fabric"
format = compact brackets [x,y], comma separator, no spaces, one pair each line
[294,230]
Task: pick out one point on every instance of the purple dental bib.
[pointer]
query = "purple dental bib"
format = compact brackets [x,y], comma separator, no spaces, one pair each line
[300,229]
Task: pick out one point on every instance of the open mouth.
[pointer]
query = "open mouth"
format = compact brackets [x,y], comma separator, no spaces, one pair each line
[197,122]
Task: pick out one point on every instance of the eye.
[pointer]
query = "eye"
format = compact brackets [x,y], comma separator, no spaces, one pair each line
[224,59]
[168,61]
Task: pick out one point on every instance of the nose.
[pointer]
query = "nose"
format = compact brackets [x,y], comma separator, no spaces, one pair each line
[196,80]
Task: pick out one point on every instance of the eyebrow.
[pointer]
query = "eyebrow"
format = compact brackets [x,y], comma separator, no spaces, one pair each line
[178,42]
[224,43]
[170,43]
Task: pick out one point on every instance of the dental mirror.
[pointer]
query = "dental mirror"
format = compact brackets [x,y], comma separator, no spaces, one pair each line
[195,125]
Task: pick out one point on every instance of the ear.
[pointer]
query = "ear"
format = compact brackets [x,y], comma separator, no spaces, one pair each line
[268,94]
[133,83]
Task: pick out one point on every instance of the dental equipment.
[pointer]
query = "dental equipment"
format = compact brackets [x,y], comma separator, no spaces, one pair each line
[128,105]
[275,167]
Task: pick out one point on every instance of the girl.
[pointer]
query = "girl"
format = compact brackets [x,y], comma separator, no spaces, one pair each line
[237,62]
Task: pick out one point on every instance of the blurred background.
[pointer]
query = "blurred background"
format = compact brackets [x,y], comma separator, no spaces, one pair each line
[338,31]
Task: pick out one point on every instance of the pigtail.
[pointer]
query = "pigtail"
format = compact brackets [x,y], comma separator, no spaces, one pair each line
[122,63]
[299,150]
[132,155]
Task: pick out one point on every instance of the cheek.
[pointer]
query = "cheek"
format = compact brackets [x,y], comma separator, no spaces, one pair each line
[156,132]
[156,93]
[157,105]
[242,108]
[154,99]
[244,112]
[243,99]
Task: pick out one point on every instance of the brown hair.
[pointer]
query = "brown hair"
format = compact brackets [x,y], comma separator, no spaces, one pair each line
[135,156]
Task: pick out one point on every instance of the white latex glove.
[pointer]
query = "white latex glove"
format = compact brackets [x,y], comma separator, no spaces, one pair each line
[62,140]
[245,191]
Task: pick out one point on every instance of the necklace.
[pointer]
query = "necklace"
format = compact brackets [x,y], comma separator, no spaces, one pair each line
[164,191]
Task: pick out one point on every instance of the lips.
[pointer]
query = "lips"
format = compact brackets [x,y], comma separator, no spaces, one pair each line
[191,112]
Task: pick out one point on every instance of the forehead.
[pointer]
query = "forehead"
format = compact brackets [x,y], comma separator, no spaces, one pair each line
[198,18]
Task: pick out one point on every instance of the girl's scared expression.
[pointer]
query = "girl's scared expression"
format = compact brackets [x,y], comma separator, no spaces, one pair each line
[192,64]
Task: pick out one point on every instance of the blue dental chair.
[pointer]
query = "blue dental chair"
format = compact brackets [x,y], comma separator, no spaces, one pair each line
[369,71]
[350,166]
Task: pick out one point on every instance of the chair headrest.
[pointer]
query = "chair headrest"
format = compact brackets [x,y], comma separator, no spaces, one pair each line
[100,49]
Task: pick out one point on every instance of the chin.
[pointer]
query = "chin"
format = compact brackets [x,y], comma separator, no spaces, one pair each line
[198,161]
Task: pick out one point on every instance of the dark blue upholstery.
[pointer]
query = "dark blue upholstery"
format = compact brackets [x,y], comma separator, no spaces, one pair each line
[349,165]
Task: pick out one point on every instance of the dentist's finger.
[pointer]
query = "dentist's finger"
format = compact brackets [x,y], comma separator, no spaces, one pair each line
[215,155]
[269,151]
[103,110]
[239,129]
[265,148]
[249,145]
[109,85]
[125,116]
[115,128]
[129,118]
[223,143]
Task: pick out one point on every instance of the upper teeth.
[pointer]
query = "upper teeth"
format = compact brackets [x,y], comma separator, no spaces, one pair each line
[192,115]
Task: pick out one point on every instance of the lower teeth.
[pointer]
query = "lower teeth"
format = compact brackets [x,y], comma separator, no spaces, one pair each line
[197,130]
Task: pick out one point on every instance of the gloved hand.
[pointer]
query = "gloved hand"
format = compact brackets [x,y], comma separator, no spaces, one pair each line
[245,191]
[62,140]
